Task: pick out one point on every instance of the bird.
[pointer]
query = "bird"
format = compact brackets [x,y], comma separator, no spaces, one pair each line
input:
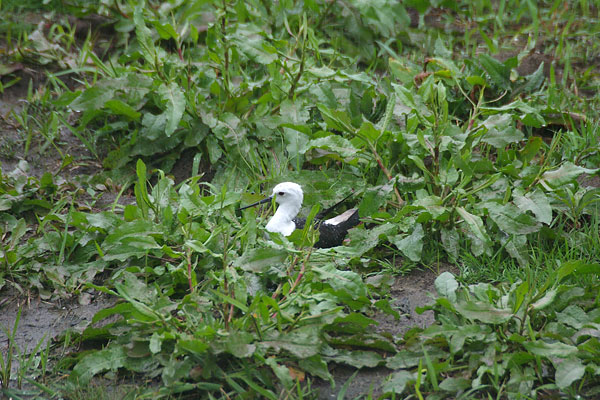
[289,197]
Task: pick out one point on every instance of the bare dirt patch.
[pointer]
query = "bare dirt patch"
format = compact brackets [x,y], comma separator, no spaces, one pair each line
[41,320]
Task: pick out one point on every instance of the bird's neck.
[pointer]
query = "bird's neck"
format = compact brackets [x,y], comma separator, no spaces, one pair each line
[282,220]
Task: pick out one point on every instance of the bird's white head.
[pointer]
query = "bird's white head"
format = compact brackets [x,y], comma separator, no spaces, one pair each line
[289,196]
[288,193]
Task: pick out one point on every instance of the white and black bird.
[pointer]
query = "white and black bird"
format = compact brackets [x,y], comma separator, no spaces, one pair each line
[289,197]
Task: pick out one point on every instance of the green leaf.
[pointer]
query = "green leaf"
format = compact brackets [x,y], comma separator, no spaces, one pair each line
[446,285]
[154,125]
[500,131]
[483,312]
[302,342]
[568,371]
[565,174]
[412,245]
[174,98]
[550,349]
[454,385]
[93,98]
[260,259]
[111,358]
[545,300]
[165,30]
[511,220]
[397,382]
[450,241]
[335,119]
[281,371]
[334,144]
[498,72]
[573,316]
[475,225]
[356,358]
[536,202]
[533,146]
[120,108]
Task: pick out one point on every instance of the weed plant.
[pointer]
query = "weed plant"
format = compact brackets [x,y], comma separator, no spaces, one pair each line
[467,132]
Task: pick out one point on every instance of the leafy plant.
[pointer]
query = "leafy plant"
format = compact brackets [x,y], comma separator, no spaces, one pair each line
[505,340]
[206,309]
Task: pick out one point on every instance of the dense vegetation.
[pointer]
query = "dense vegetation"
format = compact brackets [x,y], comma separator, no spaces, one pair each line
[466,130]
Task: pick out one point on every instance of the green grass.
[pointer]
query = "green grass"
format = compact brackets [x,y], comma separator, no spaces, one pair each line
[460,147]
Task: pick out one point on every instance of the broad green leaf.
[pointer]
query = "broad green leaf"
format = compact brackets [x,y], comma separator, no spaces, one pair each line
[578,267]
[454,385]
[446,285]
[550,349]
[281,372]
[143,35]
[372,199]
[475,225]
[302,342]
[93,98]
[409,359]
[335,144]
[174,98]
[348,281]
[498,72]
[356,358]
[316,366]
[260,259]
[568,371]
[294,112]
[512,220]
[250,40]
[335,119]
[120,108]
[412,245]
[536,202]
[450,241]
[500,131]
[397,382]
[484,312]
[111,358]
[573,316]
[363,240]
[165,30]
[240,344]
[193,345]
[154,125]
[531,149]
[296,142]
[565,174]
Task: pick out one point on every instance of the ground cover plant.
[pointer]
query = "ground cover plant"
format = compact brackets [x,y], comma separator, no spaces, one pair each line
[466,133]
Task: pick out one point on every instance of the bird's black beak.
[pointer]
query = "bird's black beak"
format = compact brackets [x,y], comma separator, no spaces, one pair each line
[263,201]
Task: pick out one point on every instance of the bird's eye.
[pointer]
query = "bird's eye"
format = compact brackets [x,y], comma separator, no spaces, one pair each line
[280,193]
